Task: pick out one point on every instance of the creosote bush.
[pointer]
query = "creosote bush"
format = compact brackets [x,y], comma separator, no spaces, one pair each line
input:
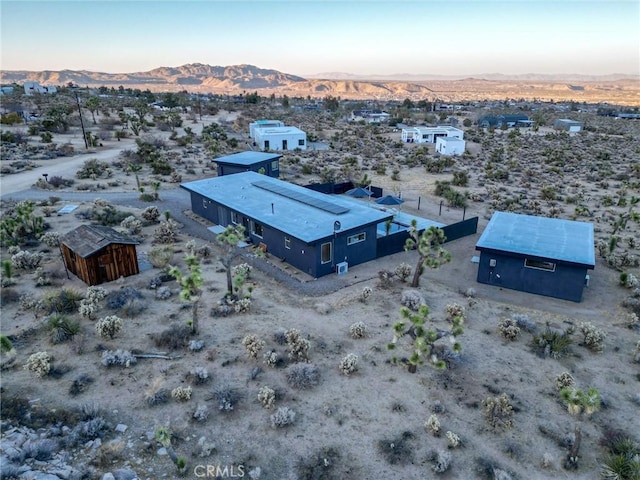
[39,364]
[498,412]
[108,327]
[267,397]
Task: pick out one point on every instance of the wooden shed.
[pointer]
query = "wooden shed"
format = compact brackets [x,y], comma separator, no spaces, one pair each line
[98,254]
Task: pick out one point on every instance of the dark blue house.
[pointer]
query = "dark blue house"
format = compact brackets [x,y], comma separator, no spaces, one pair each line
[546,256]
[515,120]
[313,231]
[249,161]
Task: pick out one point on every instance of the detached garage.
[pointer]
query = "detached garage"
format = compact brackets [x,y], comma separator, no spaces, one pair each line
[545,256]
[450,146]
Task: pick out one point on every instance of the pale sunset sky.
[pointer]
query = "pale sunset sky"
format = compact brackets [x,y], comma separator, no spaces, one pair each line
[300,37]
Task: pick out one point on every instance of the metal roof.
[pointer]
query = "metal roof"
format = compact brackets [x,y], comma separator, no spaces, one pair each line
[296,211]
[247,158]
[551,238]
[88,239]
[278,130]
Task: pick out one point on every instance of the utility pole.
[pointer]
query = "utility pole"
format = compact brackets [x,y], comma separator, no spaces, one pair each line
[84,134]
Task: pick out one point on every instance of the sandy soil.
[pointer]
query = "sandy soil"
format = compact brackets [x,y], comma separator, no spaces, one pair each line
[357,417]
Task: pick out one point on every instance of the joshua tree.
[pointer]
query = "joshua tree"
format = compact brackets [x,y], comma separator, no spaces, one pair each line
[430,251]
[92,104]
[229,240]
[135,168]
[191,286]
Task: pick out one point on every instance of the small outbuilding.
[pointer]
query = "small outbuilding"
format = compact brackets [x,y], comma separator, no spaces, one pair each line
[98,254]
[450,146]
[568,125]
[249,161]
[545,256]
[280,138]
[263,124]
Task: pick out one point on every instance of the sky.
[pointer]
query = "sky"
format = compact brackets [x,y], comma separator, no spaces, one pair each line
[304,37]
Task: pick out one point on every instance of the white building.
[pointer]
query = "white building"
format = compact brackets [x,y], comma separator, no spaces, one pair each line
[430,134]
[280,138]
[450,145]
[369,116]
[34,87]
[568,125]
[263,124]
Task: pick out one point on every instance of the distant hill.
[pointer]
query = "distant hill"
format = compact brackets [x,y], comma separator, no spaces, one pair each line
[235,79]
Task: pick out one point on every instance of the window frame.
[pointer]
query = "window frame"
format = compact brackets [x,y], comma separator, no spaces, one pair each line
[275,165]
[254,229]
[301,142]
[287,243]
[322,251]
[357,238]
[540,265]
[235,218]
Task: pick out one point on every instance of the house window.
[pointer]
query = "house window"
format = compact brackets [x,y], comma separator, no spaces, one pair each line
[274,165]
[284,145]
[287,242]
[266,144]
[257,229]
[540,265]
[360,237]
[325,252]
[301,142]
[235,218]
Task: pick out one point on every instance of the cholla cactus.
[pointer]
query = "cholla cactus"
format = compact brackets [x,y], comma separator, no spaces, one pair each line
[454,310]
[270,358]
[243,269]
[412,300]
[508,328]
[253,345]
[132,225]
[25,260]
[95,294]
[564,380]
[358,330]
[453,439]
[349,364]
[593,337]
[42,278]
[298,346]
[38,364]
[166,232]
[365,294]
[242,306]
[87,310]
[403,271]
[182,394]
[284,416]
[109,327]
[433,424]
[150,214]
[50,239]
[119,358]
[498,412]
[267,397]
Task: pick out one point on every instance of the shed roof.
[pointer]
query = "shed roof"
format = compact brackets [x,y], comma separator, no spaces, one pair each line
[86,240]
[278,130]
[296,211]
[551,238]
[247,158]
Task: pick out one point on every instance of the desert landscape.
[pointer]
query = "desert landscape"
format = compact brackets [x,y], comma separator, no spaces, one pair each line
[294,380]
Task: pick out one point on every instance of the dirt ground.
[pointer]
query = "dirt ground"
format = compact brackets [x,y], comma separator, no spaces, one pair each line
[366,425]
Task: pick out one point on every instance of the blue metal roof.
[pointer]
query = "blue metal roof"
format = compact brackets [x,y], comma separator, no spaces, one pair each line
[295,217]
[552,238]
[248,158]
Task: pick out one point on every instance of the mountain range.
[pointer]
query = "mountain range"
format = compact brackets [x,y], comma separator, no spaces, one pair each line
[202,78]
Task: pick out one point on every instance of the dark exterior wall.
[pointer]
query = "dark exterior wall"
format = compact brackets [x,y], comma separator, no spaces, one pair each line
[566,282]
[204,207]
[228,169]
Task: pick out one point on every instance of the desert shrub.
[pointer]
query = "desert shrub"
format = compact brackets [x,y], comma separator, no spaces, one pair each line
[201,413]
[95,294]
[578,401]
[432,424]
[398,450]
[349,364]
[283,417]
[25,260]
[163,293]
[42,278]
[166,232]
[150,214]
[498,412]
[160,257]
[303,376]
[109,326]
[134,307]
[553,343]
[39,364]
[298,346]
[131,225]
[182,394]
[174,338]
[243,269]
[385,278]
[412,300]
[156,394]
[319,465]
[365,294]
[80,384]
[460,178]
[593,337]
[227,397]
[103,213]
[508,328]
[267,397]
[119,298]
[271,359]
[453,439]
[50,239]
[61,328]
[403,271]
[198,376]
[93,169]
[622,461]
[8,295]
[118,358]
[564,380]
[524,322]
[440,461]
[5,344]
[42,449]
[454,311]
[253,345]
[358,330]
[242,305]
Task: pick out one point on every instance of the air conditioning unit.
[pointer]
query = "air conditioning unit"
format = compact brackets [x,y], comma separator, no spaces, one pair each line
[342,268]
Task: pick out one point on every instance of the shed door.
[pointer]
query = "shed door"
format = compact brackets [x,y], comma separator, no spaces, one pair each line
[107,270]
[222,216]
